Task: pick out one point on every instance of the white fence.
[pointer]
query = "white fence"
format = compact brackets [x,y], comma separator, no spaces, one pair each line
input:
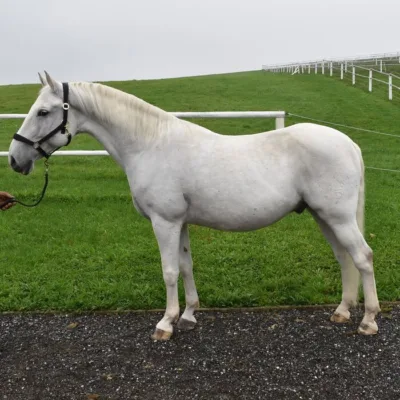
[377,60]
[372,65]
[278,115]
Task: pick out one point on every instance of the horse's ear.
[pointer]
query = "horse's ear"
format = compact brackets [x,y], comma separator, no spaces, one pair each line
[42,80]
[52,83]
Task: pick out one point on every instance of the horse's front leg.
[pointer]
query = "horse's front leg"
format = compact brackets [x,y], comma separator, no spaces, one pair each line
[187,320]
[168,238]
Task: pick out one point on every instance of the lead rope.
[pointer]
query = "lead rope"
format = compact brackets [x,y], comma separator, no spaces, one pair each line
[36,203]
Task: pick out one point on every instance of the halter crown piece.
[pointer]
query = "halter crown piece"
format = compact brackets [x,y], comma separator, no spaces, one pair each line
[60,128]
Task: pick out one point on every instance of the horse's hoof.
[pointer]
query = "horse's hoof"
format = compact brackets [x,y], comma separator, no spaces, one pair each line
[368,329]
[186,325]
[339,318]
[161,335]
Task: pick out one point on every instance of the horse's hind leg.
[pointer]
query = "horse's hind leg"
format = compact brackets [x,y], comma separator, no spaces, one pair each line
[348,234]
[187,320]
[353,241]
[350,274]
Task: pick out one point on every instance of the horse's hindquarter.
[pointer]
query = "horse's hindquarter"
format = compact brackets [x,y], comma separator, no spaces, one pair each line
[331,168]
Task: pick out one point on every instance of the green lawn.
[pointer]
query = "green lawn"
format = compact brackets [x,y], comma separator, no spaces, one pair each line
[85,247]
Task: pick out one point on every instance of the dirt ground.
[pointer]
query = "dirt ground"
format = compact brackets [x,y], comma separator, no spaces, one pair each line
[274,354]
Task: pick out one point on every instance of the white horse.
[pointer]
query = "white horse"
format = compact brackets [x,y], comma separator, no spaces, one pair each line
[180,173]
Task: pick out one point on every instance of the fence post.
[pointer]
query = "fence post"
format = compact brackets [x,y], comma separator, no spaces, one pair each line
[316,68]
[309,68]
[279,122]
[354,75]
[345,66]
[370,81]
[341,71]
[381,66]
[330,69]
[323,67]
[390,88]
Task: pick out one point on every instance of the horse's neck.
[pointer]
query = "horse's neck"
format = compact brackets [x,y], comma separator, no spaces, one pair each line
[106,137]
[122,123]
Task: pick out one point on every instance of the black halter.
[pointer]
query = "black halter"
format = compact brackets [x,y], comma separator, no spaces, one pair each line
[36,145]
[60,128]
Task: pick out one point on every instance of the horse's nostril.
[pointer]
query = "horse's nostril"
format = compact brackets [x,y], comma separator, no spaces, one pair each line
[13,163]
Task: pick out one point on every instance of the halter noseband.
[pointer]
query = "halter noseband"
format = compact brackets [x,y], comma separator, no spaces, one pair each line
[60,128]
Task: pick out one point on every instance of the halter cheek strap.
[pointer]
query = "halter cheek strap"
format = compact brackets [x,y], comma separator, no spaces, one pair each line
[62,128]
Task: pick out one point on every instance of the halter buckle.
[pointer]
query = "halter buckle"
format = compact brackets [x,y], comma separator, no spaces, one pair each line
[65,106]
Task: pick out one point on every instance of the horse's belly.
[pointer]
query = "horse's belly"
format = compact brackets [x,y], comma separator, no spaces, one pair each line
[231,216]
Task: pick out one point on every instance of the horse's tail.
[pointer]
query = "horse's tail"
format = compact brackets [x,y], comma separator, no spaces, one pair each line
[352,274]
[361,195]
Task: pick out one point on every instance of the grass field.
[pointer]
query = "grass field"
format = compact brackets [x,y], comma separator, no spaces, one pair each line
[85,247]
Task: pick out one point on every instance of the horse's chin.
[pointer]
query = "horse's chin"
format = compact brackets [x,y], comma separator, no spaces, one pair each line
[27,172]
[29,169]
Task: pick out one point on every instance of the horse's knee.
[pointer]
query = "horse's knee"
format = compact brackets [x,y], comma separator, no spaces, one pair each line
[170,275]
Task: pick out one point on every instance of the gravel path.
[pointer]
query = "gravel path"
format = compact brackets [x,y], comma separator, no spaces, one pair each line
[286,354]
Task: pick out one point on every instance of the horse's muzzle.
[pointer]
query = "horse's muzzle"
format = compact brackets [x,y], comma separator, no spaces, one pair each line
[25,169]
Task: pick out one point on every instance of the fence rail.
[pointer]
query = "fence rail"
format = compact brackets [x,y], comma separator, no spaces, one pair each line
[278,115]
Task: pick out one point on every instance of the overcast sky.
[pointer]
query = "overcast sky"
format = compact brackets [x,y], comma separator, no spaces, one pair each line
[145,39]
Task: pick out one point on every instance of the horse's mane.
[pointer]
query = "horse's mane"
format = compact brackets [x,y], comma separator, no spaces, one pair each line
[122,110]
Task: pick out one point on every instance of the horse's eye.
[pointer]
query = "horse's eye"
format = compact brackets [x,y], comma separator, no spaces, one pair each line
[42,113]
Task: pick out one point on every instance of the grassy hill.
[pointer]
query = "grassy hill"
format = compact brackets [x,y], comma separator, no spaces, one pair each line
[85,247]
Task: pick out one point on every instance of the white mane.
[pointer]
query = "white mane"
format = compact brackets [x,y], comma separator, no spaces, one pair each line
[121,110]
